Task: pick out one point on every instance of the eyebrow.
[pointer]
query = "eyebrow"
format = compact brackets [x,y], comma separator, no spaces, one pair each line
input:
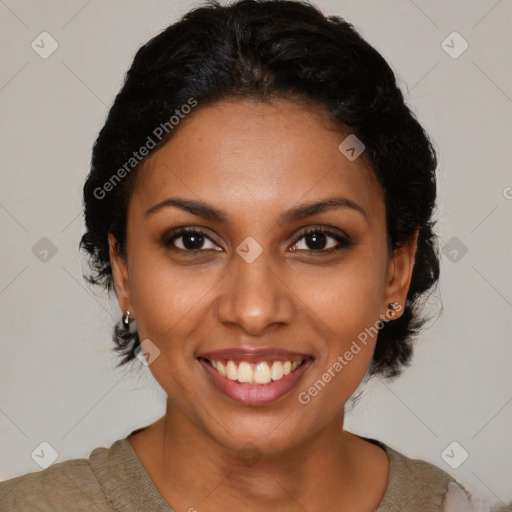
[298,212]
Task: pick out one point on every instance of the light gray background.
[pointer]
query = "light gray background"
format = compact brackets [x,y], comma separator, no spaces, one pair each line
[58,381]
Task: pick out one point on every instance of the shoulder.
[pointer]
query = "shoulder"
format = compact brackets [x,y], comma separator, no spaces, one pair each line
[65,486]
[417,485]
[416,471]
[430,488]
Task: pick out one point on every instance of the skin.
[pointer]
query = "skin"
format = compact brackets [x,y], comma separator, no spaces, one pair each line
[253,161]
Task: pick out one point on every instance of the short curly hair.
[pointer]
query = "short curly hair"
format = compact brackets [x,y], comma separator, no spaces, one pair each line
[264,49]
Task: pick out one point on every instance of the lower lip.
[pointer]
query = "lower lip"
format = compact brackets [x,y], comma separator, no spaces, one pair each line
[255,394]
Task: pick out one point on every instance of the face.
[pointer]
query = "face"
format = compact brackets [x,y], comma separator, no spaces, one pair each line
[270,292]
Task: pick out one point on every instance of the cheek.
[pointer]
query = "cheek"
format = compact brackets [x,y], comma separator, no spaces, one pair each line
[162,301]
[347,298]
[169,302]
[167,298]
[348,303]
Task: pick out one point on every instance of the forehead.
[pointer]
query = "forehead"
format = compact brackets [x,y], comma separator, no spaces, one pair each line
[246,154]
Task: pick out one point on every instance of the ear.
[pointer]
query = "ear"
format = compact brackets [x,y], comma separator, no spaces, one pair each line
[120,275]
[400,273]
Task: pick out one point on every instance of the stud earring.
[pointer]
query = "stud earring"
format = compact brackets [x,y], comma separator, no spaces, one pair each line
[390,312]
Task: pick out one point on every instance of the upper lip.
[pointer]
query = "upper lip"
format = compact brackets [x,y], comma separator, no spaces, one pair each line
[254,355]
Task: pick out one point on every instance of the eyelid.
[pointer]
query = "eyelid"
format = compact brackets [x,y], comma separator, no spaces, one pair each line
[342,239]
[178,232]
[321,228]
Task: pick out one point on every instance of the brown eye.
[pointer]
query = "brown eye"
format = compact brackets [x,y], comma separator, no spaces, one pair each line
[191,240]
[318,240]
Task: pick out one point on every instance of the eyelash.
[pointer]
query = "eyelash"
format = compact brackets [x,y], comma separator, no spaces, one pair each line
[343,242]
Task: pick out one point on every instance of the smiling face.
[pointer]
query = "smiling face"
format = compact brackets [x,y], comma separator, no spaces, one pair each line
[260,272]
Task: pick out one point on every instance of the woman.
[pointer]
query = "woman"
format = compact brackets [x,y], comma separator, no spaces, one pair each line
[260,200]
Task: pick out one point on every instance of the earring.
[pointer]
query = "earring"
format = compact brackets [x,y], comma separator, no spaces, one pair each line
[390,313]
[126,319]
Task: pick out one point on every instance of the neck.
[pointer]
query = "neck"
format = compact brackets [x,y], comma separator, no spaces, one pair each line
[193,471]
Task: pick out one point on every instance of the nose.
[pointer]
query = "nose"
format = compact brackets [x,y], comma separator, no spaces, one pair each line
[254,297]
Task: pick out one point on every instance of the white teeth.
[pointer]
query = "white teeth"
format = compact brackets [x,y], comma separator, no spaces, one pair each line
[231,371]
[277,370]
[220,368]
[261,373]
[245,372]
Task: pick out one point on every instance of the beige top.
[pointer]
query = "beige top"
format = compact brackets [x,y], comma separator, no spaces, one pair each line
[113,479]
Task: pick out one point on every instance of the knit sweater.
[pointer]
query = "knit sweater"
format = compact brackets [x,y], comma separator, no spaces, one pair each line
[113,479]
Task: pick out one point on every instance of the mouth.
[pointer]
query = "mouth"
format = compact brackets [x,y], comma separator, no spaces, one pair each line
[261,373]
[255,376]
